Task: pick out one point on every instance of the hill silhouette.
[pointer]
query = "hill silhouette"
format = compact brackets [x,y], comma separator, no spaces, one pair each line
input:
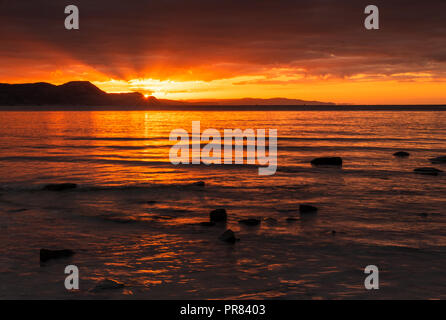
[84,93]
[75,93]
[260,102]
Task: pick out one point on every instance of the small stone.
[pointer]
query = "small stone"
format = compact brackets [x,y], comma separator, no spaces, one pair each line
[327,161]
[46,254]
[60,186]
[401,154]
[250,222]
[108,284]
[122,220]
[17,210]
[218,215]
[305,208]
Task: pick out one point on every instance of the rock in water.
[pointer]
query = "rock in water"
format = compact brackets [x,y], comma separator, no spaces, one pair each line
[401,154]
[306,208]
[151,202]
[441,159]
[428,171]
[218,215]
[108,284]
[18,210]
[199,184]
[228,236]
[250,222]
[60,186]
[327,161]
[46,254]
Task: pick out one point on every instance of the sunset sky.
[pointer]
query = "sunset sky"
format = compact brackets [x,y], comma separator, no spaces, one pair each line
[206,49]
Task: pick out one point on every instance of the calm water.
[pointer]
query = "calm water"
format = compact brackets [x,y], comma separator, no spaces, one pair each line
[382,212]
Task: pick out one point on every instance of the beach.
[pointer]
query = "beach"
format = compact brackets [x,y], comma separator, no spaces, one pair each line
[135,218]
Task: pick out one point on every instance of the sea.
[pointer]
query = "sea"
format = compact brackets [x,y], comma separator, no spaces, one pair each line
[136,218]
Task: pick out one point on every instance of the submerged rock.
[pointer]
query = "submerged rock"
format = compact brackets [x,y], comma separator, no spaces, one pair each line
[122,220]
[250,222]
[327,161]
[228,236]
[401,154]
[291,219]
[218,215]
[46,254]
[108,284]
[441,159]
[306,208]
[151,202]
[18,210]
[428,171]
[60,186]
[199,184]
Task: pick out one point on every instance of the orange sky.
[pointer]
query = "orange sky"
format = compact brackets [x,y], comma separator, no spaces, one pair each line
[310,50]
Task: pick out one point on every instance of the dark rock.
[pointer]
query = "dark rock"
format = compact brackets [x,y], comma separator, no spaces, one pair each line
[291,219]
[108,284]
[250,222]
[424,215]
[199,184]
[401,154]
[18,210]
[333,232]
[327,161]
[60,186]
[207,224]
[441,159]
[121,220]
[46,254]
[218,215]
[428,171]
[151,202]
[228,236]
[306,208]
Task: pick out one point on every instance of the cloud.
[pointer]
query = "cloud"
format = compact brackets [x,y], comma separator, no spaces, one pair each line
[205,40]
